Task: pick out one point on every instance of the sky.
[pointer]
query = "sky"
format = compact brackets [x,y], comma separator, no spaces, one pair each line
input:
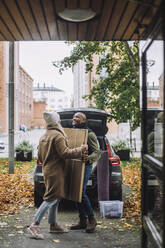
[36,58]
[155,53]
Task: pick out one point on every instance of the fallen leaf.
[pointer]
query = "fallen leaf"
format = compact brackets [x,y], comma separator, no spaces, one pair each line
[2,224]
[128,225]
[56,240]
[19,227]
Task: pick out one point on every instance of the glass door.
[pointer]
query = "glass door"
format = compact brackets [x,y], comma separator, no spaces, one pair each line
[153,141]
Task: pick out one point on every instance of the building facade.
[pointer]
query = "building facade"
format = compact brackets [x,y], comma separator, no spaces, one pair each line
[38,108]
[54,98]
[3,86]
[80,81]
[83,82]
[24,96]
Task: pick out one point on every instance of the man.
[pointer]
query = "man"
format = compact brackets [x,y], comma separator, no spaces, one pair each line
[85,208]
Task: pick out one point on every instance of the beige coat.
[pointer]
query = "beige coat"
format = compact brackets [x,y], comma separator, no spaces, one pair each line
[52,152]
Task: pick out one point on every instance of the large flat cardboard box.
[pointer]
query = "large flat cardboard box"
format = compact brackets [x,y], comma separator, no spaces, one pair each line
[74,168]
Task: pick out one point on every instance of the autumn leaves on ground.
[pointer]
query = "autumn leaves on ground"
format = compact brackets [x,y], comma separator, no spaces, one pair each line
[16,191]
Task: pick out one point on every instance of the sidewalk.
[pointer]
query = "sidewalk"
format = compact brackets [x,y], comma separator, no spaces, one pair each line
[110,233]
[32,136]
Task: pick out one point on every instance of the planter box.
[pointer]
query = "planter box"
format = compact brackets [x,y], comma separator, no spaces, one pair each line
[23,156]
[123,155]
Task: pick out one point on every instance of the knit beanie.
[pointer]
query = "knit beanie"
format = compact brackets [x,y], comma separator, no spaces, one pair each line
[51,118]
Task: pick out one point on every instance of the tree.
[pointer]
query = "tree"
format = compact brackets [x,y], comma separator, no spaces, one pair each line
[118,92]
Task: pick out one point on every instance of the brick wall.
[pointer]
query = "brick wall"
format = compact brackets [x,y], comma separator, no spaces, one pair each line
[38,109]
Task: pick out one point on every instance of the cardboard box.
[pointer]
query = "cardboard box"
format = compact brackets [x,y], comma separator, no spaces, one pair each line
[74,169]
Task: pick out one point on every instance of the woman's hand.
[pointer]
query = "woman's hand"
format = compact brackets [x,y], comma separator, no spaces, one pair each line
[84,148]
[84,153]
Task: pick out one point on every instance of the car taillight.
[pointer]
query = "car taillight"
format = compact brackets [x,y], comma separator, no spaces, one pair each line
[39,163]
[109,151]
[114,161]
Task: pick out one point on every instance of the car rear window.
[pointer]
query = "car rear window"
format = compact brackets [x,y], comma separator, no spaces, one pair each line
[95,125]
[66,123]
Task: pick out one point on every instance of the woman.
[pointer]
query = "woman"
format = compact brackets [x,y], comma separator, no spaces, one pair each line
[52,152]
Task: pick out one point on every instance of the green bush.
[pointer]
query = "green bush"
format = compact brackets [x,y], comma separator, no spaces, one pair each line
[121,145]
[24,146]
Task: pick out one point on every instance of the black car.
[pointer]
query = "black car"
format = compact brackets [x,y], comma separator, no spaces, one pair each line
[97,121]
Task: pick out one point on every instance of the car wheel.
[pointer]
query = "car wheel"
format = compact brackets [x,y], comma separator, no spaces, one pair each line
[37,199]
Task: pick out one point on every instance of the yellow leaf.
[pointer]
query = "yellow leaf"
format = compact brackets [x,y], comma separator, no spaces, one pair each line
[56,240]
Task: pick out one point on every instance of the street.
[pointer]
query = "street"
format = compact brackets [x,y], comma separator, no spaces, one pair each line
[110,233]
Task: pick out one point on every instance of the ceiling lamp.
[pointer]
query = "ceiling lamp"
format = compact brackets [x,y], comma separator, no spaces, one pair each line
[77,15]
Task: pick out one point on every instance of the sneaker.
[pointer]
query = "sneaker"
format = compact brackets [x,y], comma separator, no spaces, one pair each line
[57,229]
[35,231]
[91,225]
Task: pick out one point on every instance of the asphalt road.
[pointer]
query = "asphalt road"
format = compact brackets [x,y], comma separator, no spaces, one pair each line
[110,233]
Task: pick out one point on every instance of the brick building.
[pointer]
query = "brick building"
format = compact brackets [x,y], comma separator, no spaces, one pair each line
[23,90]
[47,98]
[38,108]
[3,86]
[24,98]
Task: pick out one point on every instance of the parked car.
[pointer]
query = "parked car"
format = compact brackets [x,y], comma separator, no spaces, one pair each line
[2,146]
[97,120]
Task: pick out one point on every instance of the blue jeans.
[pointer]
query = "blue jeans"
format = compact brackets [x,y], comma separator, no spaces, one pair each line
[84,207]
[52,207]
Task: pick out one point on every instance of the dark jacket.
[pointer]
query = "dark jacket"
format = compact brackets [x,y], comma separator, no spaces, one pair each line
[94,152]
[93,148]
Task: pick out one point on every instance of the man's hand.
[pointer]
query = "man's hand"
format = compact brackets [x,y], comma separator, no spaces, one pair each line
[84,158]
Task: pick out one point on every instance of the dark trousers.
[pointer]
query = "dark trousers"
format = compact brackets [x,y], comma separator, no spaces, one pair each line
[85,208]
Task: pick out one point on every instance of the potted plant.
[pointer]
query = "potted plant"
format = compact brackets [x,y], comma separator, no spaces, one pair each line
[122,150]
[24,151]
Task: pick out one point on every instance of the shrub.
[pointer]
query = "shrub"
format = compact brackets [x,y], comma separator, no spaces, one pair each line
[121,145]
[24,146]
